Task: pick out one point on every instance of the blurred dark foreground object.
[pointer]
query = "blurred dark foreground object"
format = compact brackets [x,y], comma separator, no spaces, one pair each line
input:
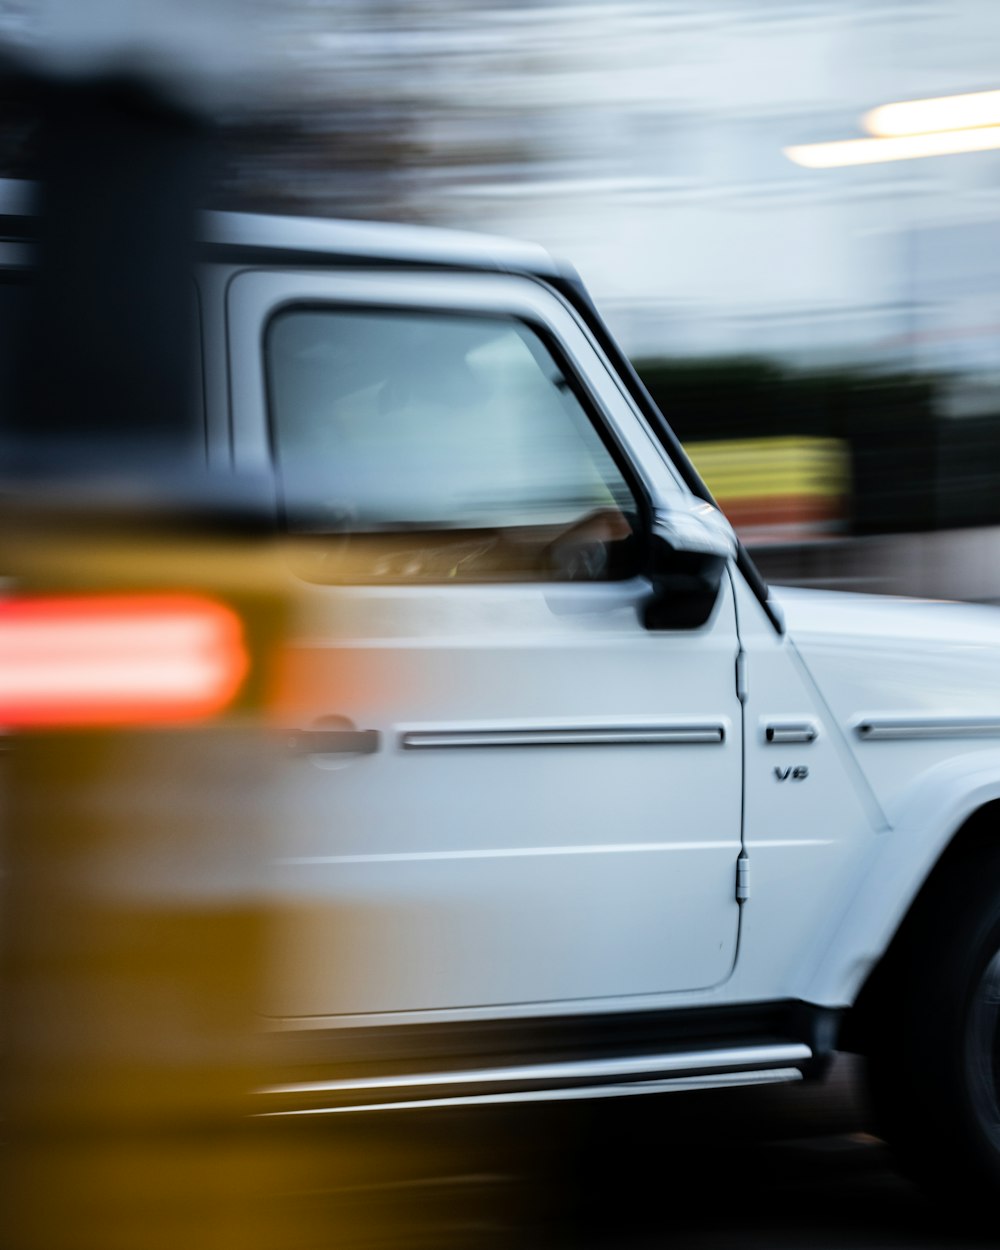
[134,925]
[139,626]
[143,608]
[105,362]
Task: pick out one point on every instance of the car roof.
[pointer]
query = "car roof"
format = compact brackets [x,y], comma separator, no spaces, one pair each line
[384,242]
[261,238]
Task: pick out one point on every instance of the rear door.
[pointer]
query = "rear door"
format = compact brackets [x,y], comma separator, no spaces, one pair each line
[509,791]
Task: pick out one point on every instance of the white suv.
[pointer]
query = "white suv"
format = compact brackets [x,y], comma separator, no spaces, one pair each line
[578,807]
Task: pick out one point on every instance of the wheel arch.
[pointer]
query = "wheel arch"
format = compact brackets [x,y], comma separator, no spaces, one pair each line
[976,840]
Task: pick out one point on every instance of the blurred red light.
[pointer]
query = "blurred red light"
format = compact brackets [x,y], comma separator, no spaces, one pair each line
[117,660]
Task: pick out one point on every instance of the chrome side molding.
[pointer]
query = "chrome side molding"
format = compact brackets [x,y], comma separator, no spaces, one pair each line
[886,728]
[541,1081]
[563,736]
[631,1089]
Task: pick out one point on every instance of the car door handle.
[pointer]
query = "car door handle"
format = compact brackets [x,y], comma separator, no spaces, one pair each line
[334,741]
[783,732]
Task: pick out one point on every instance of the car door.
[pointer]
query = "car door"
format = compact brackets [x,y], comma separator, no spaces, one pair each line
[508,790]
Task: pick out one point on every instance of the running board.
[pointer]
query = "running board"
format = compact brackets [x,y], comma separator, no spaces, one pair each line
[543,1082]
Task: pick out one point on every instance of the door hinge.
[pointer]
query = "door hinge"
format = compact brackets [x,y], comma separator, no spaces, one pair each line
[742,677]
[742,877]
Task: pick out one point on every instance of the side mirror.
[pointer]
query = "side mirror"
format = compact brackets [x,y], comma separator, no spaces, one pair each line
[687,552]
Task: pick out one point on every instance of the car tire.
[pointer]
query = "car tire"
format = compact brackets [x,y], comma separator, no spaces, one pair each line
[934,1063]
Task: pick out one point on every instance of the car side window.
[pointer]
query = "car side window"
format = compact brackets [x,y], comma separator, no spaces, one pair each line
[431,447]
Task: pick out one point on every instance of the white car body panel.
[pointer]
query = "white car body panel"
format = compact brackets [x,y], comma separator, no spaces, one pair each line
[938,804]
[897,663]
[504,875]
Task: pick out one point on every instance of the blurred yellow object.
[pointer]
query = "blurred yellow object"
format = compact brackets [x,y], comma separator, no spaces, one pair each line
[135,871]
[777,488]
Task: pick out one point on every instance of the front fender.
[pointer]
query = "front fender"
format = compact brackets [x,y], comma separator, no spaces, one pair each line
[922,823]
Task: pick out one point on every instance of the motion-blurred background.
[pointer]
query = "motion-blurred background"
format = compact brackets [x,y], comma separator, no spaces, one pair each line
[825,339]
[821,326]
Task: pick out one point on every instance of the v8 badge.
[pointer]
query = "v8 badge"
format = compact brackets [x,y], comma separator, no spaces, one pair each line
[798,773]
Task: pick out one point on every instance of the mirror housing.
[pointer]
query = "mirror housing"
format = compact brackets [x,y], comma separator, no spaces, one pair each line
[687,552]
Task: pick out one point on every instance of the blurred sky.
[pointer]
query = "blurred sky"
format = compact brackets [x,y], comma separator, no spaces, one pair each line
[644,140]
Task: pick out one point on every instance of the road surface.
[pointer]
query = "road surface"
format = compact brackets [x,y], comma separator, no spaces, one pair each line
[781,1168]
